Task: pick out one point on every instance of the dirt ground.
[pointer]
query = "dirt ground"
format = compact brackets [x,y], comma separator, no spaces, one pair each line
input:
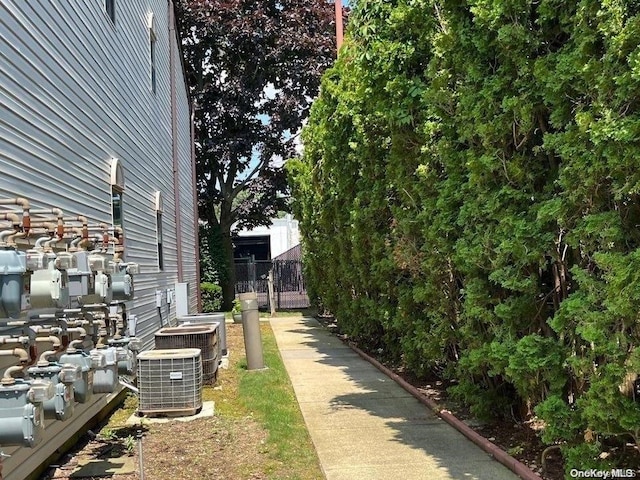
[212,448]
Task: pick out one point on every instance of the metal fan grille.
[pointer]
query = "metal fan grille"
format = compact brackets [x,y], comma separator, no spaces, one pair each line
[204,337]
[170,381]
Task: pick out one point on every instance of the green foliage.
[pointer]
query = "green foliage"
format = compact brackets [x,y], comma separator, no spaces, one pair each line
[211,297]
[252,72]
[130,443]
[213,263]
[237,306]
[562,420]
[469,199]
[587,455]
[108,433]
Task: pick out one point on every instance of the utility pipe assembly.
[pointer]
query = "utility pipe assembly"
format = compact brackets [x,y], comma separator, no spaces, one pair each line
[62,280]
[24,203]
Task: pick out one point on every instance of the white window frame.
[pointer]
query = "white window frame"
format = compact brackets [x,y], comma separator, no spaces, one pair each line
[110,10]
[153,71]
[117,189]
[159,207]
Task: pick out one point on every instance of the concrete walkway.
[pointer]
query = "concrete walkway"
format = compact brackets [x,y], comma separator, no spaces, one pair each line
[364,426]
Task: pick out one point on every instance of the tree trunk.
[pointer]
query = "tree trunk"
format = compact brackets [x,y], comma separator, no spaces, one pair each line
[219,249]
[228,284]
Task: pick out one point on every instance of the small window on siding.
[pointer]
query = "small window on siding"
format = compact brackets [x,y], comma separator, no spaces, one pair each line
[159,229]
[152,51]
[117,191]
[110,8]
[116,203]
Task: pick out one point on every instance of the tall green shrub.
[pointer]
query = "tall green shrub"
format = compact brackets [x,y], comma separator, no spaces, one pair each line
[469,203]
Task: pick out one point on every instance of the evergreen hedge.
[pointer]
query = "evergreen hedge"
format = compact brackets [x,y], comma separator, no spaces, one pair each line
[469,203]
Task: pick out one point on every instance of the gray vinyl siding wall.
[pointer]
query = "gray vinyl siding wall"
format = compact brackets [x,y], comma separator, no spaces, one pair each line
[75,92]
[185,178]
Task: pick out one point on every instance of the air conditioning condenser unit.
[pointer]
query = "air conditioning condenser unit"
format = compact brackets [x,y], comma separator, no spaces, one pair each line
[170,382]
[204,337]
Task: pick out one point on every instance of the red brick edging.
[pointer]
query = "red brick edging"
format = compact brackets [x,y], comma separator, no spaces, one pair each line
[500,455]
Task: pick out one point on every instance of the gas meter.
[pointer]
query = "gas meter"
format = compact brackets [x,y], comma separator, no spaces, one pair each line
[123,280]
[49,280]
[102,269]
[14,283]
[82,280]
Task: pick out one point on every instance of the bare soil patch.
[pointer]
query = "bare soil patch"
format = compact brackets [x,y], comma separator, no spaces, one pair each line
[211,448]
[220,447]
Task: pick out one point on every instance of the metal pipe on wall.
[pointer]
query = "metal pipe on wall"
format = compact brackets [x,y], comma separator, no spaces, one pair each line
[23,358]
[174,135]
[339,27]
[196,215]
[24,203]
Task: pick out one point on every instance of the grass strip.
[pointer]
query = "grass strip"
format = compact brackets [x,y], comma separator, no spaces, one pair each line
[266,396]
[269,396]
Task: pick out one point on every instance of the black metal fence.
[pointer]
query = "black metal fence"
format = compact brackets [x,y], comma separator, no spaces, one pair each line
[288,282]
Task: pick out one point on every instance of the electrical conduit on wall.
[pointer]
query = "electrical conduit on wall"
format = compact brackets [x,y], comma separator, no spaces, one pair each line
[174,135]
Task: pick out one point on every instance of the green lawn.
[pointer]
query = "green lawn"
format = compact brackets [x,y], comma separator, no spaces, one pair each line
[268,397]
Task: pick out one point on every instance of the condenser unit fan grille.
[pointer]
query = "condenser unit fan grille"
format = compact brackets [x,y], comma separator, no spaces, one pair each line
[204,337]
[170,381]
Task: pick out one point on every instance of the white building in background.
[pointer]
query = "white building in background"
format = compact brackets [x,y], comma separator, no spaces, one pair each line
[282,235]
[95,120]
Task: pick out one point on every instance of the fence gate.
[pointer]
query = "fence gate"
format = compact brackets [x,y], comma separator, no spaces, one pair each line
[288,282]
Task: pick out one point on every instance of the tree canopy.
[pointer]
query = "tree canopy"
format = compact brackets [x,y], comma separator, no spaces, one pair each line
[253,69]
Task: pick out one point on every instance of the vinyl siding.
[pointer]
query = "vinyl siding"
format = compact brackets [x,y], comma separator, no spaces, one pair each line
[185,179]
[75,92]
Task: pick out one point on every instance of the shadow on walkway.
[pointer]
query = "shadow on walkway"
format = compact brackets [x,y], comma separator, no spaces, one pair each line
[363,424]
